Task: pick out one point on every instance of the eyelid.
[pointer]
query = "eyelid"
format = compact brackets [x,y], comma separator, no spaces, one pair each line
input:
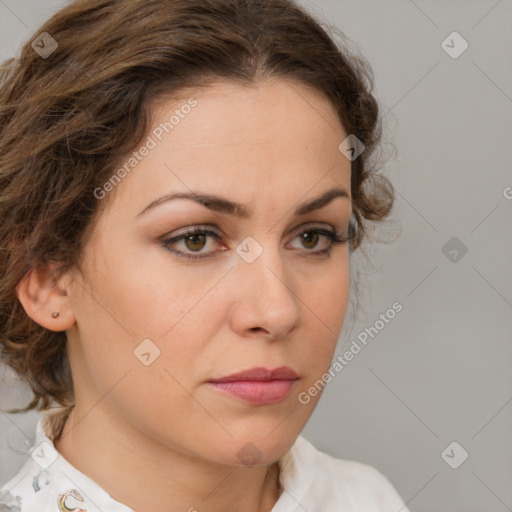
[188,230]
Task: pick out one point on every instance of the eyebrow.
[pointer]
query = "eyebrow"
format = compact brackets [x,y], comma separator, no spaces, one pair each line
[222,205]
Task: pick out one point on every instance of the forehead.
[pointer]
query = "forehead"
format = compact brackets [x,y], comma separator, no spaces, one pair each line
[226,111]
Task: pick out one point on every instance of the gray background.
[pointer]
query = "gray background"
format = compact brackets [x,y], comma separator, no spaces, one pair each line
[440,370]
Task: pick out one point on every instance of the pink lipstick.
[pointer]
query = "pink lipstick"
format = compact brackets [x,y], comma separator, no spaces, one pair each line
[258,385]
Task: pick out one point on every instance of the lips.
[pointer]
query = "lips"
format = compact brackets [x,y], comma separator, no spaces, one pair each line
[258,386]
[261,374]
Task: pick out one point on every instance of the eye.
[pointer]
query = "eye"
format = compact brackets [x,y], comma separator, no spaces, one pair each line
[196,239]
[310,238]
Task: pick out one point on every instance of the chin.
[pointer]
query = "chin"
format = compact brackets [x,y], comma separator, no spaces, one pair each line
[256,449]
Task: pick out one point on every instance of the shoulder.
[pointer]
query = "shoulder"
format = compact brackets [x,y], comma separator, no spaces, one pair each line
[13,494]
[353,484]
[9,502]
[39,483]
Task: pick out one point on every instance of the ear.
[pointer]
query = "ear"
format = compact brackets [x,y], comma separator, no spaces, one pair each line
[41,294]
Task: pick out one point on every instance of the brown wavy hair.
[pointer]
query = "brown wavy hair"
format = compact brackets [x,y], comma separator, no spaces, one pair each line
[67,120]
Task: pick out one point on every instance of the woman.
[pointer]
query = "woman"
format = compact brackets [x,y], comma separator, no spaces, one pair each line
[183,183]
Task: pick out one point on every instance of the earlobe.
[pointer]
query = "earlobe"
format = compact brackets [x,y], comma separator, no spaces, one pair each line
[45,299]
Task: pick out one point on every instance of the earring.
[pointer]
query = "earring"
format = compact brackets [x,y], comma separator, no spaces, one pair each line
[55,314]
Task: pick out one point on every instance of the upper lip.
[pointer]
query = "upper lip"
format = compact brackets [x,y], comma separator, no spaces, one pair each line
[261,374]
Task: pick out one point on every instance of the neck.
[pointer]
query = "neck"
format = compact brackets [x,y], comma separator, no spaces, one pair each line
[144,475]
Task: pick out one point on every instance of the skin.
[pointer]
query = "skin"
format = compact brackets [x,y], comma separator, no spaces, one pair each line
[158,437]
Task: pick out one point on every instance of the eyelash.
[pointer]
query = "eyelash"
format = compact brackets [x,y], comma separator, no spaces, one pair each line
[330,235]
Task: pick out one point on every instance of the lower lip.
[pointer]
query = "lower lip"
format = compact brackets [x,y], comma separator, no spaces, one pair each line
[257,391]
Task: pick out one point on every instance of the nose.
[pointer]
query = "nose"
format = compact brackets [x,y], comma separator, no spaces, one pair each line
[265,300]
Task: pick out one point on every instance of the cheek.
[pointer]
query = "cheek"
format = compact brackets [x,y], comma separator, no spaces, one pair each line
[324,314]
[136,298]
[130,307]
[329,298]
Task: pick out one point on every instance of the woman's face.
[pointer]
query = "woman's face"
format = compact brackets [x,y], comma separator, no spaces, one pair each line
[153,328]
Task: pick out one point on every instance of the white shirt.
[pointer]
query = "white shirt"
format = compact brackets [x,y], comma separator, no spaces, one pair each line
[310,481]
